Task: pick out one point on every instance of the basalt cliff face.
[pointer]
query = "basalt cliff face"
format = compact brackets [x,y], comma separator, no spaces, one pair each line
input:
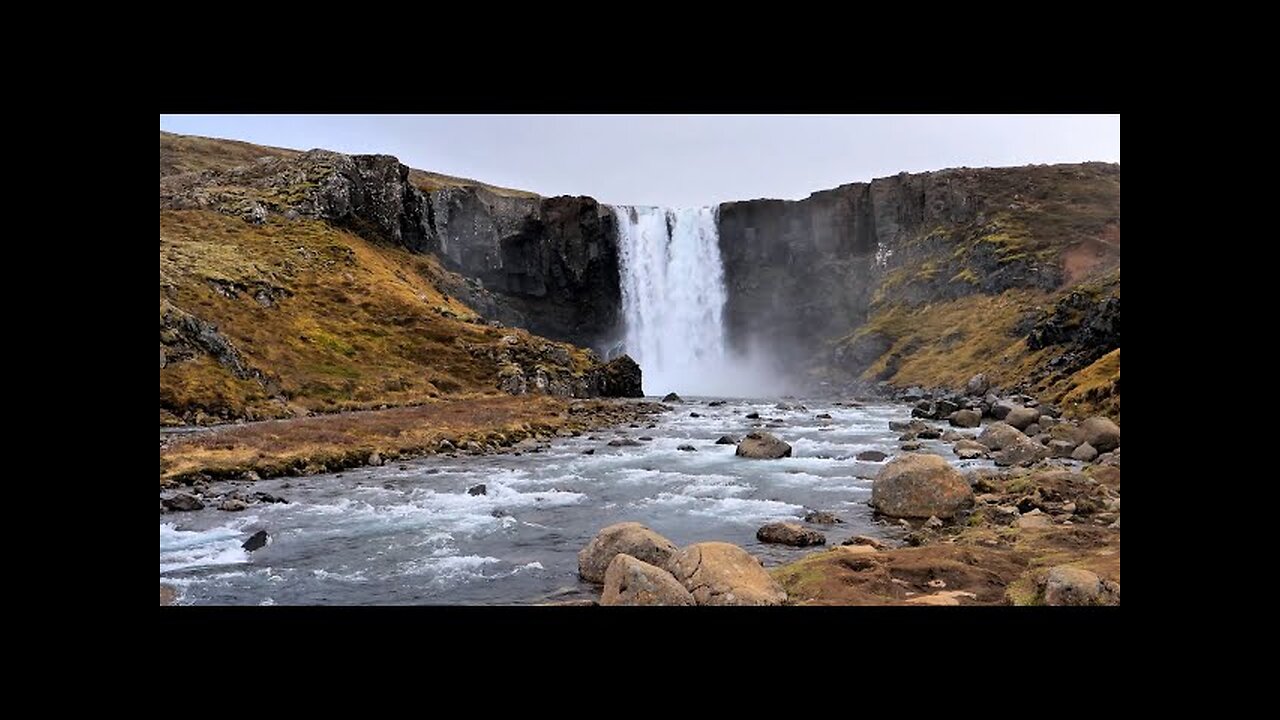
[918,279]
[930,278]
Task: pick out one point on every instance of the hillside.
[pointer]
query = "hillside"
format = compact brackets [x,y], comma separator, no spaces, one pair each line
[273,307]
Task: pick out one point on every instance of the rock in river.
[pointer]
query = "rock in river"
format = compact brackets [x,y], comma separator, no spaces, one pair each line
[631,538]
[763,446]
[718,573]
[182,502]
[629,581]
[256,541]
[872,456]
[917,486]
[785,533]
[727,440]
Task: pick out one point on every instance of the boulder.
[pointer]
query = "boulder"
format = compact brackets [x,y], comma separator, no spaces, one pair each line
[998,436]
[1084,453]
[1023,452]
[952,436]
[687,448]
[866,540]
[1022,417]
[910,446]
[818,517]
[977,385]
[182,502]
[929,434]
[257,541]
[1032,431]
[727,440]
[233,505]
[623,442]
[1065,585]
[785,533]
[1046,421]
[630,581]
[1061,448]
[753,416]
[718,573]
[1001,408]
[1101,433]
[965,418]
[374,459]
[480,489]
[969,449]
[871,456]
[917,486]
[631,538]
[672,397]
[763,446]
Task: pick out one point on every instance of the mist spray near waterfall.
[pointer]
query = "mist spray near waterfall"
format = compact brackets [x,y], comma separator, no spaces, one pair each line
[673,299]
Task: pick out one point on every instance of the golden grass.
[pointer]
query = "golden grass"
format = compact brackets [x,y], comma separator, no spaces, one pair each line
[1094,390]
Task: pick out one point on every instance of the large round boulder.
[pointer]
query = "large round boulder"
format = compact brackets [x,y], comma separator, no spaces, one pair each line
[631,538]
[1101,433]
[918,486]
[965,418]
[718,573]
[629,581]
[999,435]
[1023,451]
[1065,585]
[786,533]
[1022,417]
[763,446]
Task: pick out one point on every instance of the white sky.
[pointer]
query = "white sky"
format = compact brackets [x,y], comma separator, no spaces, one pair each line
[680,161]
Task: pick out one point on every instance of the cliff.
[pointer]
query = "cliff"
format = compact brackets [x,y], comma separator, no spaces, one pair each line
[930,278]
[298,283]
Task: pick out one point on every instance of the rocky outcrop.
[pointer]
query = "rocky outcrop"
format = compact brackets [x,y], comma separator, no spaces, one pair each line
[631,538]
[629,581]
[620,377]
[763,446]
[920,486]
[718,573]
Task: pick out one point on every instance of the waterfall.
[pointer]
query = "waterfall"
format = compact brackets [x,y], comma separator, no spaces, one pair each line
[673,298]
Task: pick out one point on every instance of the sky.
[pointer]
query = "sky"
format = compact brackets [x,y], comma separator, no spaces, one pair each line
[678,160]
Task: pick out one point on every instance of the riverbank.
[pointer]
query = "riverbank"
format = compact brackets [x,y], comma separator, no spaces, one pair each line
[328,443]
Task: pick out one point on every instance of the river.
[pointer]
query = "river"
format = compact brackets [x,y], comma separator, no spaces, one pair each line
[410,533]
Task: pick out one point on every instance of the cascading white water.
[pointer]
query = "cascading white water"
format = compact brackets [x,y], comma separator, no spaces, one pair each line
[673,298]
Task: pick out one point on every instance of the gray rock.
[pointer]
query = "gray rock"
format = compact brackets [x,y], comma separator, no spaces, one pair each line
[1032,430]
[233,505]
[763,446]
[687,448]
[818,517]
[623,442]
[1065,585]
[1021,417]
[871,456]
[965,418]
[933,523]
[182,502]
[1101,433]
[631,538]
[969,449]
[1084,453]
[915,485]
[999,435]
[786,533]
[257,541]
[629,581]
[1061,448]
[977,385]
[480,489]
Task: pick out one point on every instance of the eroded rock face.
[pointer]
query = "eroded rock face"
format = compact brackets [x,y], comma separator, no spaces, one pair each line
[717,573]
[629,581]
[763,446]
[786,533]
[620,377]
[919,486]
[631,538]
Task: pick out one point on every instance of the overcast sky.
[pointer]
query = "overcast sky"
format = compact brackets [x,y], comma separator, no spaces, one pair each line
[680,161]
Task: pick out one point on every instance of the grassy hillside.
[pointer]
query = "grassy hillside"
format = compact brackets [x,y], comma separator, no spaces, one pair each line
[1027,293]
[291,316]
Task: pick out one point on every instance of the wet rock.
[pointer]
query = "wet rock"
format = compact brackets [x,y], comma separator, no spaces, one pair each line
[965,418]
[687,448]
[952,436]
[630,581]
[233,505]
[589,451]
[1084,453]
[998,436]
[715,403]
[929,434]
[499,513]
[1101,433]
[672,398]
[916,485]
[257,541]
[266,497]
[718,573]
[969,449]
[623,442]
[763,446]
[786,533]
[823,416]
[944,408]
[818,517]
[727,440]
[480,489]
[872,456]
[182,502]
[631,538]
[866,540]
[910,446]
[1065,585]
[695,415]
[1021,417]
